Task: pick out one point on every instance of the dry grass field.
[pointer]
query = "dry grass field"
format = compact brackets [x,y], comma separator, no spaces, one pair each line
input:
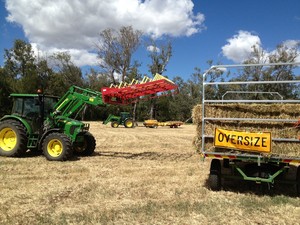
[136,176]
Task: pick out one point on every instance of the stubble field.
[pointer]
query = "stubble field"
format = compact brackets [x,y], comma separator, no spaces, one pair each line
[136,176]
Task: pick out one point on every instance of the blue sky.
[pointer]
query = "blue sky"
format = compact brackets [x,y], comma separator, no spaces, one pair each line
[222,31]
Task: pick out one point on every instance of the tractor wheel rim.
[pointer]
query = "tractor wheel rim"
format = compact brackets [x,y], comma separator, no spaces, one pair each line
[8,139]
[55,148]
[129,124]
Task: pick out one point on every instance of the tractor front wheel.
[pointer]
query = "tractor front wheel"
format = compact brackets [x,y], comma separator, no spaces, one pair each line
[128,123]
[87,147]
[114,124]
[13,139]
[57,147]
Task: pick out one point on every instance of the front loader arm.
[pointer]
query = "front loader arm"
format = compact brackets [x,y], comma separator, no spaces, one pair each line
[74,101]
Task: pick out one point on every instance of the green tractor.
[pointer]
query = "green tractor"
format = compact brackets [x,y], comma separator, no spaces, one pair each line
[124,119]
[45,123]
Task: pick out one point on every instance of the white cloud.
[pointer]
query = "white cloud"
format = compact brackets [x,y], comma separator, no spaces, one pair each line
[80,57]
[152,48]
[240,46]
[75,25]
[291,43]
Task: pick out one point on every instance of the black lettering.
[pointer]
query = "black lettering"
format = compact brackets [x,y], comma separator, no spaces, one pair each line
[220,137]
[246,142]
[240,140]
[256,143]
[227,137]
[263,142]
[233,139]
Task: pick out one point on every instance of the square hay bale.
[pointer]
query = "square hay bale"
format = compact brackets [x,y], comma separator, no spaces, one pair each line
[260,111]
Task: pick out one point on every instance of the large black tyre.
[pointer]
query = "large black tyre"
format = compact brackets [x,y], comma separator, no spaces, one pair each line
[214,179]
[13,138]
[88,146]
[57,147]
[128,123]
[298,181]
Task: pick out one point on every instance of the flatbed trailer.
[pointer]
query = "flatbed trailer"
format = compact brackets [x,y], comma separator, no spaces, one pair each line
[155,124]
[237,162]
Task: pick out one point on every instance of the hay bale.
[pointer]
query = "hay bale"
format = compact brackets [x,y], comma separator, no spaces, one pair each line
[261,111]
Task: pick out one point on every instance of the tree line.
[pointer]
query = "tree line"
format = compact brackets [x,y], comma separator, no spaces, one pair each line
[25,72]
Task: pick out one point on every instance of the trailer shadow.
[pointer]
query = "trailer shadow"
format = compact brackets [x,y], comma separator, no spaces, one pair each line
[285,186]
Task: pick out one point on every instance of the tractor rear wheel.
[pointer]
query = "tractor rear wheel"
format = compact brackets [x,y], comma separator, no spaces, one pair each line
[128,123]
[13,138]
[114,124]
[87,147]
[57,147]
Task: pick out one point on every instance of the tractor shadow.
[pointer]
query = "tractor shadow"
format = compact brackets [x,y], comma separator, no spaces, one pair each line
[146,155]
[33,154]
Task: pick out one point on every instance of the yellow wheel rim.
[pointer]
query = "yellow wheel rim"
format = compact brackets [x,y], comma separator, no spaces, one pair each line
[55,148]
[129,123]
[115,125]
[8,139]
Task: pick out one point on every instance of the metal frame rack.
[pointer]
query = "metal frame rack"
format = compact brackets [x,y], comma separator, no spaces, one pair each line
[233,158]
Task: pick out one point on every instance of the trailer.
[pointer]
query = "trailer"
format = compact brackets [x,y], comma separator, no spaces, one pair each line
[155,123]
[242,140]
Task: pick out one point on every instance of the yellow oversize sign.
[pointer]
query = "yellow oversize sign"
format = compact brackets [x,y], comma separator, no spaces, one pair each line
[247,141]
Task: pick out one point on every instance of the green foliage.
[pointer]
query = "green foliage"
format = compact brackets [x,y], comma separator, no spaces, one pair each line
[20,68]
[23,72]
[5,103]
[274,73]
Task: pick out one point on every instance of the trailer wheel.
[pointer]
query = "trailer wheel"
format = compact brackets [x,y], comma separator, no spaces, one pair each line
[13,139]
[57,147]
[87,147]
[214,179]
[114,124]
[128,123]
[298,181]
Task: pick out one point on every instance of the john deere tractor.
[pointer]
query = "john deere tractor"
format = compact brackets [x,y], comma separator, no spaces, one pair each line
[124,119]
[45,123]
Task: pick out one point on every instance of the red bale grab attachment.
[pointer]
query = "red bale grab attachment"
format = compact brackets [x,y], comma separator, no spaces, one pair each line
[126,93]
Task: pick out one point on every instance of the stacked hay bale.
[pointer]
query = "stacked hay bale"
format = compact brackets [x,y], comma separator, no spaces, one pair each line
[260,111]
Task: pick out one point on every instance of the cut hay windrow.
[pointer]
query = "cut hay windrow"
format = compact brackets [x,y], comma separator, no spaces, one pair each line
[279,130]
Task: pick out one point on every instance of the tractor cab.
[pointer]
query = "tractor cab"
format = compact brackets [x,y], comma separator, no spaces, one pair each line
[124,116]
[33,108]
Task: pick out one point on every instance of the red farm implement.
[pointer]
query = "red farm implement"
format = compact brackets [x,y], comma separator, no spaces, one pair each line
[126,93]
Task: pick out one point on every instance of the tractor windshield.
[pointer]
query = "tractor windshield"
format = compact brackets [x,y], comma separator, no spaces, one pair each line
[26,107]
[29,106]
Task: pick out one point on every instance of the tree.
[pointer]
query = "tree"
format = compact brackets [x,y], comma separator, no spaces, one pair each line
[115,51]
[20,68]
[160,57]
[5,90]
[282,54]
[66,74]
